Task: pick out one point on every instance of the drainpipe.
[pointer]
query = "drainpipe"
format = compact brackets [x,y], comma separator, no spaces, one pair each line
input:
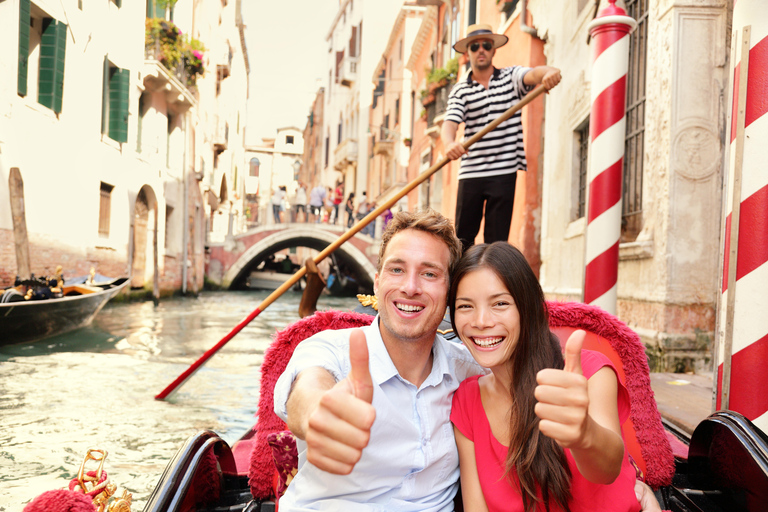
[523,16]
[185,218]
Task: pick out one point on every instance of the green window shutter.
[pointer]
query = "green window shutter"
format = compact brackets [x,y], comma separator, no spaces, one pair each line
[58,78]
[105,95]
[119,3]
[24,20]
[118,104]
[154,10]
[52,52]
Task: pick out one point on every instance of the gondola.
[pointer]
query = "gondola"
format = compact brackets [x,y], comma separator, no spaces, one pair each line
[76,305]
[721,466]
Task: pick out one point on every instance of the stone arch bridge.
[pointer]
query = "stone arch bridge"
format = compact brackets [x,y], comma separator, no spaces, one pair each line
[229,263]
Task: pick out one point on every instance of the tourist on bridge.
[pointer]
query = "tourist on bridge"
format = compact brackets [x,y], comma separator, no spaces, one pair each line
[349,207]
[488,171]
[300,203]
[316,199]
[338,198]
[277,202]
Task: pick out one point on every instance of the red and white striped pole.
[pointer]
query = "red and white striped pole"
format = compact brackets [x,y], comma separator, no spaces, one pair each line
[742,356]
[610,42]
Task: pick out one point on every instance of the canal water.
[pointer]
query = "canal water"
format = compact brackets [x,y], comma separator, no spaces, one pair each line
[95,388]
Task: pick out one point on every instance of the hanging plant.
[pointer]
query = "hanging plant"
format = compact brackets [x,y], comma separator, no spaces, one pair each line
[165,42]
[443,76]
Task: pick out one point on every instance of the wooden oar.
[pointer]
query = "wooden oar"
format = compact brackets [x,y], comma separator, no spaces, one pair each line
[173,386]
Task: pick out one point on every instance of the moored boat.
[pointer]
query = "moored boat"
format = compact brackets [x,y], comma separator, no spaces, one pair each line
[29,320]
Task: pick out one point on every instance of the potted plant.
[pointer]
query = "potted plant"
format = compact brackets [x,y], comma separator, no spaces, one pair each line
[440,77]
[427,97]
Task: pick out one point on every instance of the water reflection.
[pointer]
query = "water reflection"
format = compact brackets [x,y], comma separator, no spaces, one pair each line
[94,388]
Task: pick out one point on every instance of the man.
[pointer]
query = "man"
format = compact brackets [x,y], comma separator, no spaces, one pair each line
[334,403]
[413,464]
[488,172]
[316,200]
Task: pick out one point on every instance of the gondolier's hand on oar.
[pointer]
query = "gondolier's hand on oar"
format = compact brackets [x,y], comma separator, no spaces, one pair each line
[339,424]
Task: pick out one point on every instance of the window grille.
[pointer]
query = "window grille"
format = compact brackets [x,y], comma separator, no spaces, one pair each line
[583,140]
[634,141]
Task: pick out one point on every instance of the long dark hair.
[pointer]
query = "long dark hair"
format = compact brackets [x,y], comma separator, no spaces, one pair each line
[538,460]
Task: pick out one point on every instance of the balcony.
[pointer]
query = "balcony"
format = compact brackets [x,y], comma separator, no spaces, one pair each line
[345,154]
[157,76]
[386,143]
[220,135]
[436,109]
[348,71]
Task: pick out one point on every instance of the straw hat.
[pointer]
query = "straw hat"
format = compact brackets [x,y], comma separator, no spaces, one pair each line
[480,31]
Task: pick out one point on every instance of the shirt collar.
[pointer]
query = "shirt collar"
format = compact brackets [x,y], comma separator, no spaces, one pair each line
[495,76]
[382,368]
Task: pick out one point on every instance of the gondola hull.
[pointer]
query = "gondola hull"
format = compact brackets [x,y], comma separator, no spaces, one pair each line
[37,319]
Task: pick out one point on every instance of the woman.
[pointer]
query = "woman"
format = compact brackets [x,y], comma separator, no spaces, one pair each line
[531,435]
[350,209]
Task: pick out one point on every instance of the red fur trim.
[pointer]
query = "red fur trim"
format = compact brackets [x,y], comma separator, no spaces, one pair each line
[654,444]
[276,359]
[61,500]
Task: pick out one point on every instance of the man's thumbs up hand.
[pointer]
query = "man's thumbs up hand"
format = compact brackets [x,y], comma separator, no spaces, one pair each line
[340,426]
[360,374]
[563,399]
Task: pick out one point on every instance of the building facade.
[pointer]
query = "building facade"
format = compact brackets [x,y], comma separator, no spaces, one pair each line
[672,198]
[105,124]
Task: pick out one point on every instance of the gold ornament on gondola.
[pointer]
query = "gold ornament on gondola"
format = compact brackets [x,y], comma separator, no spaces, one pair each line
[96,484]
[369,300]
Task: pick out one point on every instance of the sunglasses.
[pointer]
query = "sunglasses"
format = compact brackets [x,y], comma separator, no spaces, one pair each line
[487,46]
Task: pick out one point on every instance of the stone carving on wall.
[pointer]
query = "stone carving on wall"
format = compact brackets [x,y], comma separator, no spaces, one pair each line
[579,98]
[695,151]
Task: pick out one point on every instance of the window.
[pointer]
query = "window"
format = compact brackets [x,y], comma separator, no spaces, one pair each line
[289,139]
[634,142]
[509,8]
[353,43]
[340,125]
[339,63]
[140,123]
[397,111]
[472,14]
[114,113]
[168,225]
[105,206]
[254,167]
[169,134]
[379,90]
[582,141]
[42,49]
[327,149]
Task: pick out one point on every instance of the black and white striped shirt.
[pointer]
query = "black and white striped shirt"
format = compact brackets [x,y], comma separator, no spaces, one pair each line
[501,151]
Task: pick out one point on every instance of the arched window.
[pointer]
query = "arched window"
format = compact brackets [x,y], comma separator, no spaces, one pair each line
[254,167]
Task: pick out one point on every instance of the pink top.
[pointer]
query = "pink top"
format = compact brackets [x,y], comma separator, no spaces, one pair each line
[469,417]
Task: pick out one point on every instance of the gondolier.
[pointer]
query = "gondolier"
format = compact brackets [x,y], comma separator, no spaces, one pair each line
[488,171]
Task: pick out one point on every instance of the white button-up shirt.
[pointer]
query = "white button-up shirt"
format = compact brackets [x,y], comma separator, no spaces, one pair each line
[411,462]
